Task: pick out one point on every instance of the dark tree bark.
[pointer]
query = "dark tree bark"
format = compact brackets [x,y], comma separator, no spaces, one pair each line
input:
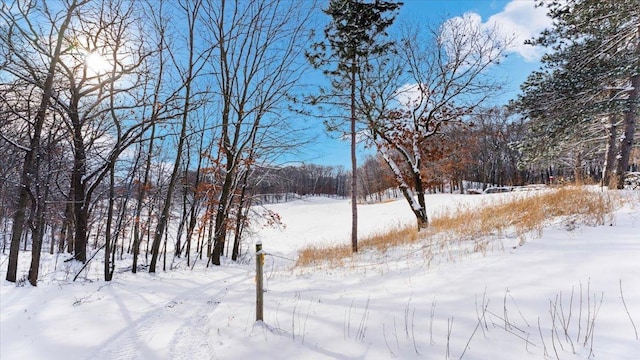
[354,159]
[627,139]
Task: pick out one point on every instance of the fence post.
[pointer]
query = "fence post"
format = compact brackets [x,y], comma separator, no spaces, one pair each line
[259,283]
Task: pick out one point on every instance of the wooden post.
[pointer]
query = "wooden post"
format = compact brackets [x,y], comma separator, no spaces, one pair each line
[259,283]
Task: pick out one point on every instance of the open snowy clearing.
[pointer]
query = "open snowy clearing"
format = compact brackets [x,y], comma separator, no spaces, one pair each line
[557,296]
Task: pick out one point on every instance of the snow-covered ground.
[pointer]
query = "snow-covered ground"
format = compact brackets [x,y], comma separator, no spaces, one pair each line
[557,296]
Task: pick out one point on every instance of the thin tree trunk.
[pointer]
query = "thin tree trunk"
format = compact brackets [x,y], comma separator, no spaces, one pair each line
[164,216]
[240,219]
[193,211]
[185,212]
[354,164]
[108,267]
[142,193]
[220,230]
[67,226]
[577,168]
[52,243]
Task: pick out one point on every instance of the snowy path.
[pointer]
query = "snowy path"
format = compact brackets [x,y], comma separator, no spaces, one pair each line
[180,324]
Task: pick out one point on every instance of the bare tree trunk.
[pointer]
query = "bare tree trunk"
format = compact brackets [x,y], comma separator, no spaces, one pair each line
[52,243]
[38,231]
[164,216]
[137,237]
[80,206]
[220,228]
[68,225]
[195,205]
[354,162]
[240,217]
[177,251]
[610,152]
[577,168]
[626,141]
[108,266]
[3,218]
[418,210]
[421,211]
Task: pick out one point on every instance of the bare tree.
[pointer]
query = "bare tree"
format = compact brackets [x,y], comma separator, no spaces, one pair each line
[23,41]
[447,80]
[157,109]
[98,79]
[93,52]
[188,70]
[256,67]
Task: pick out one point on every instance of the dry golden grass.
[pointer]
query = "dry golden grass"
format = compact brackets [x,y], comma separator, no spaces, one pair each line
[334,255]
[520,215]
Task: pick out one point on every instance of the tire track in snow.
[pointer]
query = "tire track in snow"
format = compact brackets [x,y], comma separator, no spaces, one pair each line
[177,329]
[192,339]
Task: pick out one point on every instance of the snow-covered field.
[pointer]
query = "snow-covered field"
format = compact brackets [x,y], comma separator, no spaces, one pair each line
[557,296]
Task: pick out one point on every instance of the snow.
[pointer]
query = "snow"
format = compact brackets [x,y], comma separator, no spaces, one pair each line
[379,306]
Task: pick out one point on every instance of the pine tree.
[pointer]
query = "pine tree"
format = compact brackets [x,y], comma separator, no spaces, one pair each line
[592,71]
[354,35]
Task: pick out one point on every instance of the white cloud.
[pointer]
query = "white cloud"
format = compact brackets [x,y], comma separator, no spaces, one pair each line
[467,40]
[521,20]
[409,95]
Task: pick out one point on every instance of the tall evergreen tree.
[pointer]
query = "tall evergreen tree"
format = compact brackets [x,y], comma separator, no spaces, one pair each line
[355,35]
[591,72]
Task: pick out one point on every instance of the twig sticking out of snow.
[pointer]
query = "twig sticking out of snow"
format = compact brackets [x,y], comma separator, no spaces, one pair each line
[627,310]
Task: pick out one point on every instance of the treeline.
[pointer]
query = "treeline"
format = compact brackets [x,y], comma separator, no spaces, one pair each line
[485,151]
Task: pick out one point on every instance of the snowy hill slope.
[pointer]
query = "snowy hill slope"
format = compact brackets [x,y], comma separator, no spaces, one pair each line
[556,296]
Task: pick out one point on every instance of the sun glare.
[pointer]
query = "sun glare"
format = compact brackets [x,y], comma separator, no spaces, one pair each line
[96,64]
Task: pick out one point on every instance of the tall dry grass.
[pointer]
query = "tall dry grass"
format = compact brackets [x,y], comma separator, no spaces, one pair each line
[522,213]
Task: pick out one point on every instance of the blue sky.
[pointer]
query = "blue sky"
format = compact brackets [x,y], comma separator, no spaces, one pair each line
[515,18]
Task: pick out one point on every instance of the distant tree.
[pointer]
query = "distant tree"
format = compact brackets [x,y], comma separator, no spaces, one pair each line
[496,159]
[353,37]
[375,178]
[459,142]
